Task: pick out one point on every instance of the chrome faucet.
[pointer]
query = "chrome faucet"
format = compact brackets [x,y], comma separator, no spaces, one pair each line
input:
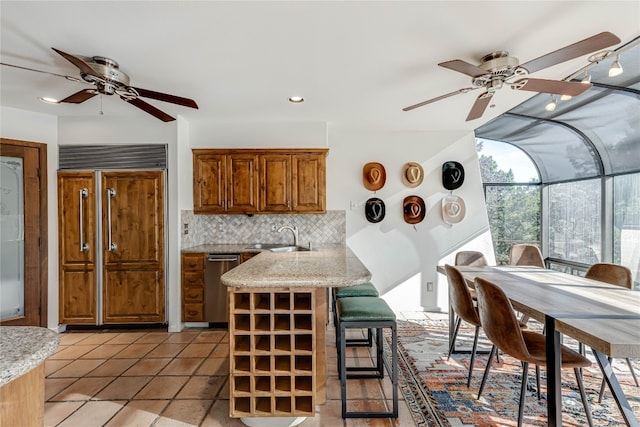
[294,230]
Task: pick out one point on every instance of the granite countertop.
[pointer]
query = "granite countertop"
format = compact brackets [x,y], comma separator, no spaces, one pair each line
[220,248]
[23,348]
[325,266]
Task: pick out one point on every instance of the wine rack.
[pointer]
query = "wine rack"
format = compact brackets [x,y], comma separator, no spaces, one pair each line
[272,352]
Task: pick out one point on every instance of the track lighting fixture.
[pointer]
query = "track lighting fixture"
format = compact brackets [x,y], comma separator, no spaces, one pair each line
[586,78]
[565,97]
[616,68]
[552,104]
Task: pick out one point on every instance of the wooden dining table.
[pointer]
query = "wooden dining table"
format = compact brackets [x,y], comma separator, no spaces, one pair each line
[602,316]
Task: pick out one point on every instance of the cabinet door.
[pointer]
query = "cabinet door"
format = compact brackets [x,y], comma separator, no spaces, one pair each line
[209,183]
[133,241]
[76,247]
[242,183]
[308,183]
[275,183]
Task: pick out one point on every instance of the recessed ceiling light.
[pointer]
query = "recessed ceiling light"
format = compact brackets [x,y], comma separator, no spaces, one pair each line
[296,99]
[48,100]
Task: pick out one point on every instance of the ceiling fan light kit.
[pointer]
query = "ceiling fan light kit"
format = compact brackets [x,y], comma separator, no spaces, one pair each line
[498,68]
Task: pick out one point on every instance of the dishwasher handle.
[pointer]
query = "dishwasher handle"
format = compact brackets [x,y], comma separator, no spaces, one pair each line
[221,258]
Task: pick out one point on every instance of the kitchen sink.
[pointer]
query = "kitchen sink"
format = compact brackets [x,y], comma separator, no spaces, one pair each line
[278,247]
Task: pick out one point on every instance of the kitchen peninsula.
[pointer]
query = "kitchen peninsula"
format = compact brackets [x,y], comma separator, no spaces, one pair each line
[277,321]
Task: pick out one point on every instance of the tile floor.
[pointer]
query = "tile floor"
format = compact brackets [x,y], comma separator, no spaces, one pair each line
[155,378]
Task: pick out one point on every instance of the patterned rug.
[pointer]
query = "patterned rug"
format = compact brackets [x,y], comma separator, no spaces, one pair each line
[435,388]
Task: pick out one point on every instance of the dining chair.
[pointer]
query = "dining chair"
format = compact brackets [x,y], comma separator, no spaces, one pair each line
[470,258]
[462,304]
[526,254]
[501,326]
[616,275]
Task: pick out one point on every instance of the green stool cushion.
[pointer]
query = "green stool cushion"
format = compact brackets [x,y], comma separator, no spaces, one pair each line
[359,309]
[364,290]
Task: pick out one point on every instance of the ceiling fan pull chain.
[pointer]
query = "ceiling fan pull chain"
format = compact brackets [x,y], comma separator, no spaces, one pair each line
[101,112]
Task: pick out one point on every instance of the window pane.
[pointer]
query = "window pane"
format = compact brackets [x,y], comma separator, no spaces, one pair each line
[574,221]
[502,162]
[514,217]
[626,223]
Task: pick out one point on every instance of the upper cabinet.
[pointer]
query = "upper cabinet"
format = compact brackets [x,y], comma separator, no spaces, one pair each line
[259,181]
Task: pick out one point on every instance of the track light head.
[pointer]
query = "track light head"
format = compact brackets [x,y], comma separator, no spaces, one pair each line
[616,68]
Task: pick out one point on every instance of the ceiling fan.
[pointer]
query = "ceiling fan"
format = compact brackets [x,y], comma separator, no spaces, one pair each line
[107,78]
[496,68]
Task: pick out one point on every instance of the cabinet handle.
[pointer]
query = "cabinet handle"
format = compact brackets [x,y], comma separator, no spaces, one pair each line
[111,193]
[83,194]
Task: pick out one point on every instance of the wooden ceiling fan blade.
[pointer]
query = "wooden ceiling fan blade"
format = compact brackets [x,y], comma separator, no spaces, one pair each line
[80,63]
[583,47]
[79,97]
[148,108]
[464,67]
[482,101]
[186,102]
[438,98]
[559,87]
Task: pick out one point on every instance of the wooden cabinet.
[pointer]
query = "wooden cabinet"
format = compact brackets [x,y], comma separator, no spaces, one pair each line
[130,268]
[259,181]
[224,183]
[272,352]
[193,268]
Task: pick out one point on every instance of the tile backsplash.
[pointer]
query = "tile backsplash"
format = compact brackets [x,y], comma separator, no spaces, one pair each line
[314,228]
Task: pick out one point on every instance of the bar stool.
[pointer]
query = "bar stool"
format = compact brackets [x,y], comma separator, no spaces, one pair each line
[363,290]
[370,313]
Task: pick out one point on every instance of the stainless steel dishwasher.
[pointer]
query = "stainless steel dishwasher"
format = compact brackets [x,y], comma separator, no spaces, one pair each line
[216,306]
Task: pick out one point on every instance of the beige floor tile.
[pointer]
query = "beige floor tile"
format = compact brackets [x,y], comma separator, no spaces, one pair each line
[100,338]
[329,414]
[53,386]
[224,392]
[210,337]
[214,366]
[68,338]
[185,366]
[77,368]
[123,388]
[112,368]
[184,413]
[72,352]
[104,351]
[162,387]
[182,337]
[197,350]
[146,367]
[82,389]
[218,416]
[153,337]
[138,413]
[221,350]
[136,350]
[127,337]
[93,414]
[369,405]
[51,366]
[167,350]
[201,387]
[56,412]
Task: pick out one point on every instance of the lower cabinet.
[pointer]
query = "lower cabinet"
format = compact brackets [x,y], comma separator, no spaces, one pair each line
[193,266]
[272,336]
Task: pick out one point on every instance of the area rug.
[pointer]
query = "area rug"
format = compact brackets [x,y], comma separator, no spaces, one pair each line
[437,395]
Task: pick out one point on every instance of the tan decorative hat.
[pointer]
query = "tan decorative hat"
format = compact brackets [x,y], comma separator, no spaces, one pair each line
[414,209]
[373,176]
[453,209]
[412,174]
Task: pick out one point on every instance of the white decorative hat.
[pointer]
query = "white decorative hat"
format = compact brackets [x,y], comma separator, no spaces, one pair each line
[453,209]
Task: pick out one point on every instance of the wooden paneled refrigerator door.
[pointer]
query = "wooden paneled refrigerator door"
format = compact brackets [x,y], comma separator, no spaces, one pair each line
[133,279]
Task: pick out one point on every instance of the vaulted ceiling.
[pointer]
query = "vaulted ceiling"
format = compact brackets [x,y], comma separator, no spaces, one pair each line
[357,64]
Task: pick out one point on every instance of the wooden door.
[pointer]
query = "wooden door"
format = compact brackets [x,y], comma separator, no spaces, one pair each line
[133,287]
[242,183]
[309,184]
[23,235]
[209,183]
[77,296]
[275,183]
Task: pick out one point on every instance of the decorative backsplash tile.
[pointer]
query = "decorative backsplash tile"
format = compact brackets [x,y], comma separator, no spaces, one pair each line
[314,228]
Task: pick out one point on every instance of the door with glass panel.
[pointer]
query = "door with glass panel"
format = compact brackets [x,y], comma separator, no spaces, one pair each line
[21,236]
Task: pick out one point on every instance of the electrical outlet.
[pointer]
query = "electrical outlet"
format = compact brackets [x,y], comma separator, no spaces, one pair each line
[274,227]
[429,286]
[185,228]
[221,227]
